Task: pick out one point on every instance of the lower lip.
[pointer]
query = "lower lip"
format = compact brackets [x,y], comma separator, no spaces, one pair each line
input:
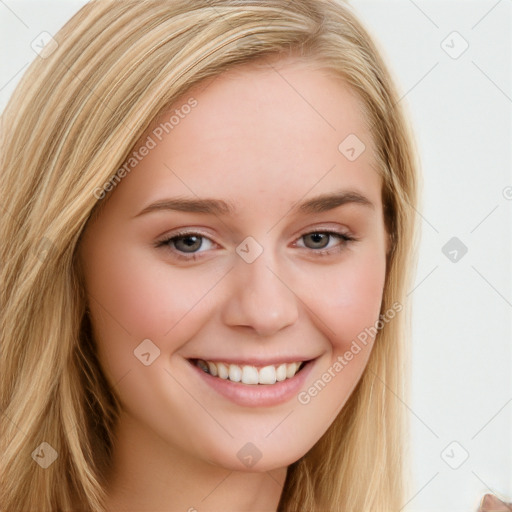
[257,395]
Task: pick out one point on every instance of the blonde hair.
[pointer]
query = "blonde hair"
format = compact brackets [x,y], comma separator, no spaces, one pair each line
[70,124]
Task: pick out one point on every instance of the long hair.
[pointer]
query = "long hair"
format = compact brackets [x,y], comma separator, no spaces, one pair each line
[69,126]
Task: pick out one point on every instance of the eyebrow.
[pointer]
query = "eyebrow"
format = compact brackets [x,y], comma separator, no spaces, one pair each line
[318,204]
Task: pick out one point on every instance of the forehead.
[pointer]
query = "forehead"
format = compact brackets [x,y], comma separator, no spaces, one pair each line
[275,128]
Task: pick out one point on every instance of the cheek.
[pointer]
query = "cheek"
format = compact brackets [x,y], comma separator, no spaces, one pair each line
[134,297]
[347,310]
[347,298]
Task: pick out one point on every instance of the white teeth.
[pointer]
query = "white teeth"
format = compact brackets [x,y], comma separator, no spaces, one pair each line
[291,369]
[222,370]
[213,369]
[250,374]
[268,375]
[235,373]
[281,373]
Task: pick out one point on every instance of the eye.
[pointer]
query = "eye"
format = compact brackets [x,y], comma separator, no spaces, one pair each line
[186,245]
[324,242]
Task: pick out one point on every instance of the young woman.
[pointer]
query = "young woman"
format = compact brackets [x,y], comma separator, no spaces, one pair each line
[209,233]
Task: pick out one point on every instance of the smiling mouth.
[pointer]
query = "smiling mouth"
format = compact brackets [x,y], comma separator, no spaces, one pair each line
[247,374]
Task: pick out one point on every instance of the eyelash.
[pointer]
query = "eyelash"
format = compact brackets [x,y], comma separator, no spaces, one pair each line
[164,243]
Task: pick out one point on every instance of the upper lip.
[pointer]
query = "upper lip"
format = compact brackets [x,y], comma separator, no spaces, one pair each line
[254,361]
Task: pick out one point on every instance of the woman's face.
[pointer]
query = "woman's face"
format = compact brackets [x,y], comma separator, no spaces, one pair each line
[249,233]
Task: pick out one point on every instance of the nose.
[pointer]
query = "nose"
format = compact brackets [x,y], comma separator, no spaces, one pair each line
[259,298]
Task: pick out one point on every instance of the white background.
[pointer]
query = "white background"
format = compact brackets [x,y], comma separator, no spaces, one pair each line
[461,110]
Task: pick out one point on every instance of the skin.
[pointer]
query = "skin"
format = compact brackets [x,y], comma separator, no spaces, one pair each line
[263,138]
